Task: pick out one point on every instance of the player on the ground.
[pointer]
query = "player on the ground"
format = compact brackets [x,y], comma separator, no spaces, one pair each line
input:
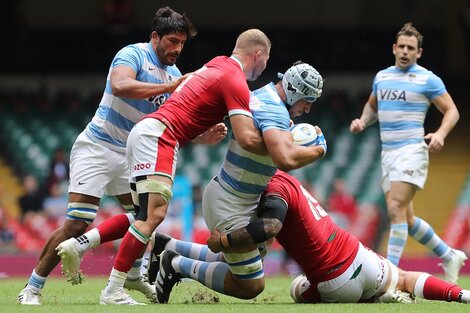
[230,199]
[205,98]
[401,96]
[141,77]
[337,267]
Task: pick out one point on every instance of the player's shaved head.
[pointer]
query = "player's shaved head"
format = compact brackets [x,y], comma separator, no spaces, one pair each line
[252,40]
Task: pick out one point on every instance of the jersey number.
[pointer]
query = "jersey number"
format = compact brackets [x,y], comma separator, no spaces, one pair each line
[189,77]
[317,210]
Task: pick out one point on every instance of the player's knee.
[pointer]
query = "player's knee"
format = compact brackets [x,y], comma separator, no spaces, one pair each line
[251,289]
[74,228]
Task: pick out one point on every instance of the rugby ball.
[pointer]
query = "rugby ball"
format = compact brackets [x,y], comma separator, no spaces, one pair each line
[304,134]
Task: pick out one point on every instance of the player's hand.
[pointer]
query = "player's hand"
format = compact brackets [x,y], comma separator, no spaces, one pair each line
[435,141]
[357,125]
[320,141]
[213,242]
[213,135]
[177,82]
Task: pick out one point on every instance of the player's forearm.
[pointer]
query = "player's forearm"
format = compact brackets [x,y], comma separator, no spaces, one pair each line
[450,119]
[369,115]
[297,156]
[256,232]
[133,89]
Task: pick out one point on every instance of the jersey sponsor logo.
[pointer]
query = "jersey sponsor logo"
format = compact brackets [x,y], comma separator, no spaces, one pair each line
[388,94]
[141,166]
[158,100]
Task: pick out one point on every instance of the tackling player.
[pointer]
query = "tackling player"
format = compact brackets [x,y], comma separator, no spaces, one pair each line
[337,267]
[205,98]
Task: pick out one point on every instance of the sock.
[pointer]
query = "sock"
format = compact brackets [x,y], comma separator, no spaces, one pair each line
[35,281]
[131,248]
[433,288]
[396,242]
[115,227]
[134,273]
[210,274]
[116,281]
[88,240]
[193,250]
[425,235]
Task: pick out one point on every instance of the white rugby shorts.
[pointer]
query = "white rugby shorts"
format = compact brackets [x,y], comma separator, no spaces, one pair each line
[228,212]
[152,150]
[366,277]
[96,170]
[405,164]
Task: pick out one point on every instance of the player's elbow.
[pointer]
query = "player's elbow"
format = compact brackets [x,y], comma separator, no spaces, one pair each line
[285,163]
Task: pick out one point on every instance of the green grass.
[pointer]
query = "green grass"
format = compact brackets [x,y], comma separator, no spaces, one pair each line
[189,296]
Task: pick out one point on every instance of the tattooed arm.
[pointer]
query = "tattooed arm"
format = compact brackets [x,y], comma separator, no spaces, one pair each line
[271,213]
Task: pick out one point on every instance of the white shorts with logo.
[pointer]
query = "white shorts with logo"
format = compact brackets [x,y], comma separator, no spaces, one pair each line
[228,212]
[152,149]
[96,170]
[405,164]
[366,277]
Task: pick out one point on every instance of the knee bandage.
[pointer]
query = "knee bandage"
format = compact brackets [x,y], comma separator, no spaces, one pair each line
[154,186]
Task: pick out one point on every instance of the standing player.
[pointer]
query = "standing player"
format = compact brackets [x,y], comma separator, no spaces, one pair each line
[230,199]
[400,98]
[140,79]
[216,90]
[337,267]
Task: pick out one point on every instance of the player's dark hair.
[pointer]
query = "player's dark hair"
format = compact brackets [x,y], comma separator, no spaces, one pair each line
[167,21]
[409,30]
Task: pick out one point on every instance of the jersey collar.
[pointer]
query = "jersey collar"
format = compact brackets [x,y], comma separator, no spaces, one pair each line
[237,60]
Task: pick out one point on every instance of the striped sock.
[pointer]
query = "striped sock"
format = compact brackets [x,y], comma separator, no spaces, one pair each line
[396,242]
[193,250]
[36,282]
[425,235]
[210,274]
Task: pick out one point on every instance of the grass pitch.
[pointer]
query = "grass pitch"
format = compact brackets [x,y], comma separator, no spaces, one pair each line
[189,296]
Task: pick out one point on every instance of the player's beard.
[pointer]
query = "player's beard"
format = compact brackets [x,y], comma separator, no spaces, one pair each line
[167,58]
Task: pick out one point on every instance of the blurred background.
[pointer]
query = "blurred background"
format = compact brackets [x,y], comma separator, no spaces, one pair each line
[54,60]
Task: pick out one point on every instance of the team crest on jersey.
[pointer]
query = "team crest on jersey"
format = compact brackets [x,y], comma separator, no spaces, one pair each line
[157,100]
[411,76]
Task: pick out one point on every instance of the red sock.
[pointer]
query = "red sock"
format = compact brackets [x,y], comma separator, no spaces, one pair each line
[437,289]
[130,250]
[113,228]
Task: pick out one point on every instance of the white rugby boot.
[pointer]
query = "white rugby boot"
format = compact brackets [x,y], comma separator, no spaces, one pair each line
[452,268]
[71,260]
[118,297]
[142,286]
[29,296]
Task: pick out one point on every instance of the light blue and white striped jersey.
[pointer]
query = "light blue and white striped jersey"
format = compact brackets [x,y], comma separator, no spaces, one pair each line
[246,174]
[403,99]
[116,116]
